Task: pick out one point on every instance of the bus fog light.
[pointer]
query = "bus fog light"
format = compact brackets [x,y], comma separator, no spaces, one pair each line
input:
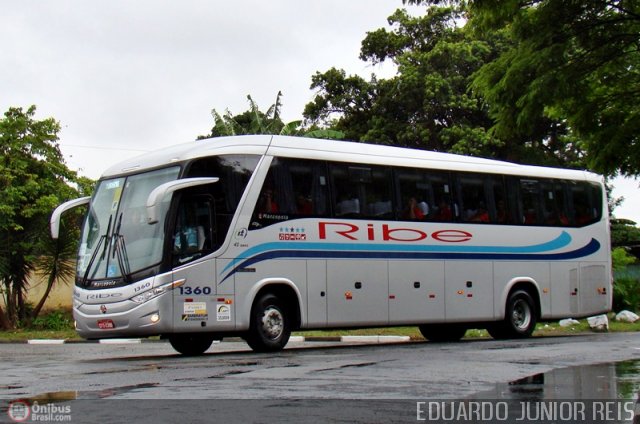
[155,318]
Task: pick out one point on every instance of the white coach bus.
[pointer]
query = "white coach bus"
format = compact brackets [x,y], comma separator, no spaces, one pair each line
[256,236]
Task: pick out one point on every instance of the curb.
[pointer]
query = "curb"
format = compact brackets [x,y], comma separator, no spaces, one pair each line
[294,339]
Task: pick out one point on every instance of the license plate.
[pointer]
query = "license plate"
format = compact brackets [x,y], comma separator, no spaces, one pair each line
[106,324]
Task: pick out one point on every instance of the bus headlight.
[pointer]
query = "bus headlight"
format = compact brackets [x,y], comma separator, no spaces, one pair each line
[156,291]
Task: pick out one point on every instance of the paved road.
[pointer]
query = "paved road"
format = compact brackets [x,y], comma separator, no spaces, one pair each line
[312,373]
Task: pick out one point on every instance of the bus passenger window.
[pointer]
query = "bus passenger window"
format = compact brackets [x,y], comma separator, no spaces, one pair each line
[587,203]
[502,210]
[414,194]
[529,201]
[553,204]
[362,191]
[293,188]
[440,190]
[473,198]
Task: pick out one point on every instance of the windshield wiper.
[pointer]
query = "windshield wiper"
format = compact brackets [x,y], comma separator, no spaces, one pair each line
[120,252]
[103,237]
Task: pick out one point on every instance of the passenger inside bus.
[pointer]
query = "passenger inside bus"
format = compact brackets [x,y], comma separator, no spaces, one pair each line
[267,202]
[415,209]
[443,213]
[304,205]
[481,214]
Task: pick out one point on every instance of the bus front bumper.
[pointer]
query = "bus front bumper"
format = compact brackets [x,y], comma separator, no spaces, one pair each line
[124,319]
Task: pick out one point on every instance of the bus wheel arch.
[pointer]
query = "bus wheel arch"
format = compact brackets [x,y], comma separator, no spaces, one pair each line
[521,312]
[275,312]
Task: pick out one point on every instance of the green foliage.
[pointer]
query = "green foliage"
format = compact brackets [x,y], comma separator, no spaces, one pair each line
[626,285]
[621,259]
[624,232]
[574,61]
[33,180]
[57,320]
[429,104]
[626,294]
[254,121]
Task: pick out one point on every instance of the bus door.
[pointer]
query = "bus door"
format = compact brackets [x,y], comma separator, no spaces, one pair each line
[196,306]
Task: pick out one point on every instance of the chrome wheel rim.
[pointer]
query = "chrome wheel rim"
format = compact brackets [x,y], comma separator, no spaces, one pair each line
[521,315]
[272,323]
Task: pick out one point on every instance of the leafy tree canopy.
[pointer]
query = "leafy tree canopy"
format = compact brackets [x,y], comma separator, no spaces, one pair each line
[429,104]
[574,61]
[33,181]
[254,121]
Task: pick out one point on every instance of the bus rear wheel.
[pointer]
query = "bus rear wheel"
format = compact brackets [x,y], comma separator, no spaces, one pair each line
[270,326]
[442,332]
[191,344]
[520,318]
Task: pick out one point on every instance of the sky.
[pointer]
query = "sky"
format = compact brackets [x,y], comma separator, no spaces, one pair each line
[128,77]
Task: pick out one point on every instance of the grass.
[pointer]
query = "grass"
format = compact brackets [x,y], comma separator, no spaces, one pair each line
[542,329]
[59,325]
[27,334]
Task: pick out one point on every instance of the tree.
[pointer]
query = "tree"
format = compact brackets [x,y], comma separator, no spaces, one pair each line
[575,61]
[33,180]
[254,121]
[429,104]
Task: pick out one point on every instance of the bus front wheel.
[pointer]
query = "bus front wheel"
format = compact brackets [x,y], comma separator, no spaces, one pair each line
[191,344]
[270,326]
[443,332]
[520,318]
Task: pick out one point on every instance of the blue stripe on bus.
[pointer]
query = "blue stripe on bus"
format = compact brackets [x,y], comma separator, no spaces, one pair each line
[347,251]
[563,240]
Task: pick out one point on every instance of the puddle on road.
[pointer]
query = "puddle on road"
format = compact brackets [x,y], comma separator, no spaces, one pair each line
[606,381]
[68,395]
[617,380]
[598,393]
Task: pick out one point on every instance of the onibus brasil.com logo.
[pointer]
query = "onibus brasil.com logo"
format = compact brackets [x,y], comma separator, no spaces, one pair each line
[21,411]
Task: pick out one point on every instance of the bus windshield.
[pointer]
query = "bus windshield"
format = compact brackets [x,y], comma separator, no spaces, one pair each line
[115,240]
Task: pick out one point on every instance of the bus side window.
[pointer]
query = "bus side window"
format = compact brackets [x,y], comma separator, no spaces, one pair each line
[362,191]
[553,204]
[501,204]
[443,210]
[193,235]
[473,198]
[293,188]
[586,200]
[529,201]
[309,187]
[413,192]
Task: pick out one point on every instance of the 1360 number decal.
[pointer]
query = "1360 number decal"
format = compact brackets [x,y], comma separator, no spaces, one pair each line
[194,290]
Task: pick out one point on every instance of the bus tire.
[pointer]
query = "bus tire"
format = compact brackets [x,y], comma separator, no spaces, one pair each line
[270,325]
[443,332]
[191,344]
[520,318]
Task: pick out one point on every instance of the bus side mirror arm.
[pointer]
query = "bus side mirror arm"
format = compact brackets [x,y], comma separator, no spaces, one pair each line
[158,193]
[54,222]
